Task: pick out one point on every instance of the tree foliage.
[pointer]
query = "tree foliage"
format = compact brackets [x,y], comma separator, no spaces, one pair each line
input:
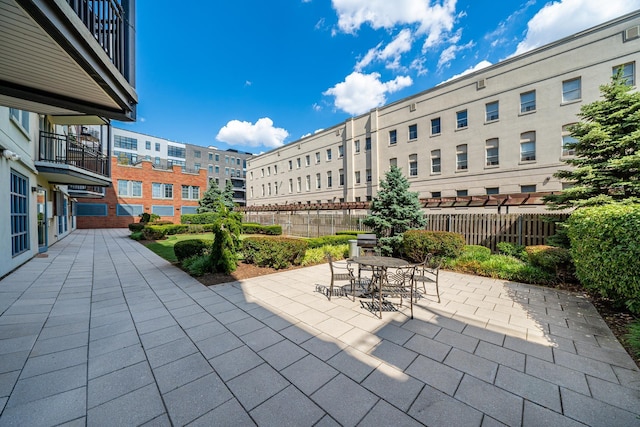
[607,150]
[394,210]
[214,198]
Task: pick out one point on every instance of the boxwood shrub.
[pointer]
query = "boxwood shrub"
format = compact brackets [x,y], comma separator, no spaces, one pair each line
[318,242]
[606,251]
[276,252]
[136,226]
[203,218]
[550,258]
[350,233]
[254,228]
[416,244]
[189,248]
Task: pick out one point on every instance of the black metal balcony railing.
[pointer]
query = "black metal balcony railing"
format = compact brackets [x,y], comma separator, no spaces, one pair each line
[72,150]
[105,20]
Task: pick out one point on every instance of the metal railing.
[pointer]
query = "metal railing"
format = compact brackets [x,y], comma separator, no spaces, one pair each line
[71,150]
[105,20]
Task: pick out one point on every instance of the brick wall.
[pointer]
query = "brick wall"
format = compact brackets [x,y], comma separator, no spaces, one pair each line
[144,172]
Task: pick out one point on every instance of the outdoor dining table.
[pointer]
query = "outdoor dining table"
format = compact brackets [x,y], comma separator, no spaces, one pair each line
[379,264]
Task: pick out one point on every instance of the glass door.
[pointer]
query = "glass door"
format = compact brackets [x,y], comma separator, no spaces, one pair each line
[42,220]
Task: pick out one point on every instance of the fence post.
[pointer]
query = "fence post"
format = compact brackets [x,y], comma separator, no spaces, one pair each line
[449,226]
[308,223]
[520,230]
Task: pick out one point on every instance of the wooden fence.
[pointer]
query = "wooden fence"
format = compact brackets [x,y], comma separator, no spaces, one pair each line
[477,229]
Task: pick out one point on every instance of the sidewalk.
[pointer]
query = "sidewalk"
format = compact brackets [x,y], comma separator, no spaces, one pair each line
[104,332]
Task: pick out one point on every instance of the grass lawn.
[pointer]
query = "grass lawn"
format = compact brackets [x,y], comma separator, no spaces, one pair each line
[164,248]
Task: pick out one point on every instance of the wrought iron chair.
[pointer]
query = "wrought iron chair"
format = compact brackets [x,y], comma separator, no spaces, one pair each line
[341,271]
[428,271]
[398,283]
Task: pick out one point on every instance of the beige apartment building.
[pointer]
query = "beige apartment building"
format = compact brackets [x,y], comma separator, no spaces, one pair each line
[478,140]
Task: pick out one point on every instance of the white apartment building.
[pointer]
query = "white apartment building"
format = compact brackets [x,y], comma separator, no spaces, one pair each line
[496,133]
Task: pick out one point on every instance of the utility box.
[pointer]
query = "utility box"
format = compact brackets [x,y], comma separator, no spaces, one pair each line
[354,250]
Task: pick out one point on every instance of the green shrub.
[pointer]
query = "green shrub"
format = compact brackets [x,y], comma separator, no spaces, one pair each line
[176,229]
[507,267]
[203,218]
[254,228]
[349,233]
[161,222]
[273,230]
[633,337]
[512,249]
[145,217]
[276,252]
[606,251]
[154,232]
[224,256]
[197,265]
[318,242]
[475,253]
[417,244]
[136,226]
[551,259]
[137,235]
[318,255]
[188,248]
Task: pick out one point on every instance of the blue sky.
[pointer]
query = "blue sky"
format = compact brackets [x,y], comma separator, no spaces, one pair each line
[254,75]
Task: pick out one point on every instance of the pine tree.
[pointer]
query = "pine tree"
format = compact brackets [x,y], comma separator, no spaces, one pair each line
[607,150]
[211,199]
[394,210]
[227,196]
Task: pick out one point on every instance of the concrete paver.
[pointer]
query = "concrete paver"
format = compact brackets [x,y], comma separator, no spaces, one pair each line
[104,332]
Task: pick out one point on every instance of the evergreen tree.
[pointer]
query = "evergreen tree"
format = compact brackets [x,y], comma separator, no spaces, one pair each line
[607,150]
[394,210]
[227,196]
[211,198]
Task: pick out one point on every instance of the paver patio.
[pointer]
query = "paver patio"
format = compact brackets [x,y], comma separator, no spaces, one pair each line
[104,332]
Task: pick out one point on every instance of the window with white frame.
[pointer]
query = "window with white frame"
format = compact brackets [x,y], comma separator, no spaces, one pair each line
[393,137]
[308,182]
[368,175]
[290,185]
[461,119]
[627,73]
[528,146]
[290,164]
[462,193]
[528,188]
[275,169]
[128,188]
[356,146]
[329,154]
[161,191]
[357,177]
[190,192]
[147,145]
[268,188]
[492,152]
[298,163]
[367,143]
[341,177]
[413,132]
[567,140]
[318,181]
[20,117]
[436,126]
[317,157]
[436,161]
[251,191]
[217,157]
[268,170]
[528,101]
[125,142]
[197,154]
[340,151]
[262,192]
[329,180]
[217,168]
[275,188]
[492,111]
[571,90]
[492,190]
[413,165]
[299,184]
[307,160]
[461,157]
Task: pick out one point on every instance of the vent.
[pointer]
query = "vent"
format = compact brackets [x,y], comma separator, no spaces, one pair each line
[337,132]
[481,84]
[412,107]
[632,33]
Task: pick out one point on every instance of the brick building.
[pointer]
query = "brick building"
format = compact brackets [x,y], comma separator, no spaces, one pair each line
[168,192]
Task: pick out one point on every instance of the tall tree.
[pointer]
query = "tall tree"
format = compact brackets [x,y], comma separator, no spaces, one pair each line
[211,198]
[607,150]
[227,196]
[394,210]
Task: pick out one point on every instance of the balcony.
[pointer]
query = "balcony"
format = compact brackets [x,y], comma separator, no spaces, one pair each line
[73,60]
[72,160]
[86,191]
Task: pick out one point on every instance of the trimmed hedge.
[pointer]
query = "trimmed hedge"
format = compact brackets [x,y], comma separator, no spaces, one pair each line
[276,252]
[318,242]
[136,226]
[189,248]
[350,232]
[254,228]
[606,251]
[203,218]
[416,244]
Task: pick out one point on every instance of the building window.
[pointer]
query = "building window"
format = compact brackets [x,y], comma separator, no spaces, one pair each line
[462,193]
[147,145]
[210,157]
[290,164]
[527,146]
[157,146]
[329,180]
[368,173]
[461,119]
[357,199]
[210,169]
[226,171]
[298,163]
[317,158]
[18,188]
[156,160]
[413,165]
[318,181]
[393,162]
[196,167]
[528,101]
[461,157]
[268,170]
[262,190]
[275,188]
[197,154]
[129,188]
[226,159]
[299,184]
[269,188]
[568,139]
[357,176]
[436,194]
[329,154]
[217,169]
[217,156]
[435,126]
[341,177]
[340,151]
[190,192]
[492,110]
[290,185]
[628,72]
[435,161]
[356,146]
[308,182]
[307,160]
[528,188]
[413,132]
[493,153]
[161,191]
[367,143]
[275,170]
[125,142]
[571,90]
[493,190]
[393,137]
[20,117]
[173,151]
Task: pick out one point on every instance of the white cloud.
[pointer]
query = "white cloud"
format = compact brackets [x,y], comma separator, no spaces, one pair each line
[429,20]
[262,133]
[479,66]
[449,54]
[361,92]
[563,18]
[391,52]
